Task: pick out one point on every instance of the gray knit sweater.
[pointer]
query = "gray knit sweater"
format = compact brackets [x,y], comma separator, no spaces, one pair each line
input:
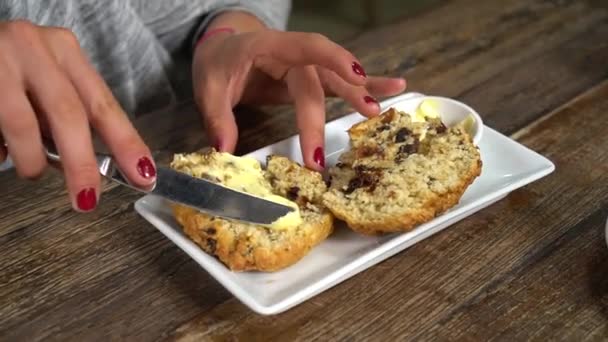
[140,47]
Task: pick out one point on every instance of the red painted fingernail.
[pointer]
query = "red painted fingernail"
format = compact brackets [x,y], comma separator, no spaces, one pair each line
[86,199]
[218,145]
[369,99]
[358,69]
[319,157]
[145,167]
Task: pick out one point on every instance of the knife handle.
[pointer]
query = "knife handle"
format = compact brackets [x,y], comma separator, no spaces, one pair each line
[105,163]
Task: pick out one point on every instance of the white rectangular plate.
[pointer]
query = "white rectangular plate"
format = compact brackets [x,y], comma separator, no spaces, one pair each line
[507,165]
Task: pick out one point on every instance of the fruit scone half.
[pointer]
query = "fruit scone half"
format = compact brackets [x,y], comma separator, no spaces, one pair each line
[248,247]
[401,170]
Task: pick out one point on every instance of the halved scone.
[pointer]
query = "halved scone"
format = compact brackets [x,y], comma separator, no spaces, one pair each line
[401,172]
[241,246]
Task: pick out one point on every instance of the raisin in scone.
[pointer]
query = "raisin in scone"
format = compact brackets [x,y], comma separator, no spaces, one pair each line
[401,171]
[245,247]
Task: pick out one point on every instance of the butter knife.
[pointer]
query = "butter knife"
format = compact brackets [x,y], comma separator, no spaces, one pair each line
[206,196]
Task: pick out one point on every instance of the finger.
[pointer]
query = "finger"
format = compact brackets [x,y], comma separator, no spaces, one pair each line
[68,122]
[308,49]
[106,115]
[306,90]
[218,116]
[385,86]
[20,130]
[358,97]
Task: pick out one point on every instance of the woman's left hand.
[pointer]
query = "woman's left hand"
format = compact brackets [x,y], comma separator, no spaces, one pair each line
[274,67]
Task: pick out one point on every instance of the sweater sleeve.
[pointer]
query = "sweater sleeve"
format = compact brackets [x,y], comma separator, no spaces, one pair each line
[273,13]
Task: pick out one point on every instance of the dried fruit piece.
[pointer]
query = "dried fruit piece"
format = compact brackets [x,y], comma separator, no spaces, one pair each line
[292,193]
[212,245]
[441,128]
[368,150]
[383,128]
[365,178]
[402,135]
[407,149]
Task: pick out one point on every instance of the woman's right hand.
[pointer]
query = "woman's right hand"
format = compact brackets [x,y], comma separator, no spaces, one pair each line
[49,90]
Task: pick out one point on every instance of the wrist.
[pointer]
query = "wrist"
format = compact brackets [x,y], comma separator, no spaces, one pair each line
[215,32]
[226,24]
[211,38]
[238,20]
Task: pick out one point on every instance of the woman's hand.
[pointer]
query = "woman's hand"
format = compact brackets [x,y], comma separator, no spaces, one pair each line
[273,67]
[49,90]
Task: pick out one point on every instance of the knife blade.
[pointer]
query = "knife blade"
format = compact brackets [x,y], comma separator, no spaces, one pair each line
[201,194]
[215,199]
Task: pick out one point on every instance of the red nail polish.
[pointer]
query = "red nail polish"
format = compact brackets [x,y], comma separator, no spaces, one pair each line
[217,145]
[319,157]
[145,167]
[358,69]
[86,199]
[369,99]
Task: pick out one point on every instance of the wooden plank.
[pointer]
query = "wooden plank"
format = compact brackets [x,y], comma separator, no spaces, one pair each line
[511,60]
[560,295]
[113,273]
[433,285]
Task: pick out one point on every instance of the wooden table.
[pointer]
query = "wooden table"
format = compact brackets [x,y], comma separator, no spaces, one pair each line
[532,266]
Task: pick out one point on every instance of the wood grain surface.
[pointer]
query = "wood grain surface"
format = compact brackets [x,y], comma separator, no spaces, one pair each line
[533,266]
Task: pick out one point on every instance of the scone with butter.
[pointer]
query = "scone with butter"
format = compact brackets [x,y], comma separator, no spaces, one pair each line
[245,247]
[402,170]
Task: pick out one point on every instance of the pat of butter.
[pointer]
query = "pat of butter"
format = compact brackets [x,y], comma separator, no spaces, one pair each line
[430,109]
[245,174]
[426,109]
[468,124]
